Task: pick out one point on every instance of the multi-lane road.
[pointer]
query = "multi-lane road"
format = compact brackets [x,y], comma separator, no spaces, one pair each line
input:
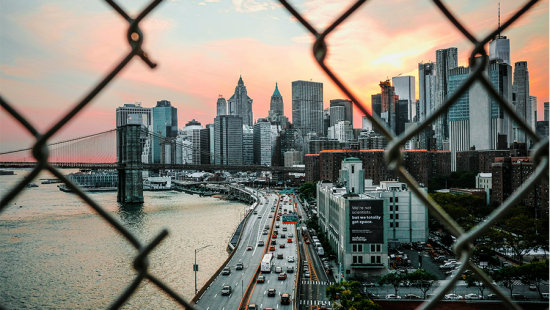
[239,279]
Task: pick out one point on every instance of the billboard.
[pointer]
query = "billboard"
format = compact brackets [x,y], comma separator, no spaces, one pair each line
[366,221]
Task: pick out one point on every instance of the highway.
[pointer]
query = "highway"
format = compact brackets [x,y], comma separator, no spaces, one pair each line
[239,279]
[259,294]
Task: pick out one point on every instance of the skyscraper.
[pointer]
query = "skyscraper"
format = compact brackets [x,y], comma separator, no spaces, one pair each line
[348,106]
[533,102]
[376,104]
[307,107]
[523,105]
[228,140]
[124,113]
[459,114]
[165,125]
[262,142]
[545,111]
[276,105]
[248,145]
[499,48]
[389,102]
[405,88]
[446,59]
[221,106]
[240,104]
[337,113]
[427,82]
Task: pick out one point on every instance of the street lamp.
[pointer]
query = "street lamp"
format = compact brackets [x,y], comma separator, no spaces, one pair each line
[196,267]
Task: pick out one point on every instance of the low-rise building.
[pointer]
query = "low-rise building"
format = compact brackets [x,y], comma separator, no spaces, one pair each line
[362,221]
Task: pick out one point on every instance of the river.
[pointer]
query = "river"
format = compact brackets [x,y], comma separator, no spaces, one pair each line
[57,253]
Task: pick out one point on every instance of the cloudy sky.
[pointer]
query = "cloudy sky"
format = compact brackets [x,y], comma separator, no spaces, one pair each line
[53,52]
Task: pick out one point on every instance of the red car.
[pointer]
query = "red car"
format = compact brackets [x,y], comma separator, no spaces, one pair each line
[289,240]
[274,236]
[272,248]
[282,276]
[282,245]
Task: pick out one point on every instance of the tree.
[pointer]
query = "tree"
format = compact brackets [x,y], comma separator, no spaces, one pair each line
[507,276]
[393,278]
[520,235]
[348,295]
[422,279]
[308,190]
[534,273]
[473,281]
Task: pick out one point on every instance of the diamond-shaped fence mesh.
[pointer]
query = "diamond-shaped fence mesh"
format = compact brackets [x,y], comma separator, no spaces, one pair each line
[394,156]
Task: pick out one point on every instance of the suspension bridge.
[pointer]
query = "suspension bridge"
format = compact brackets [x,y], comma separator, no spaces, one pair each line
[99,151]
[127,149]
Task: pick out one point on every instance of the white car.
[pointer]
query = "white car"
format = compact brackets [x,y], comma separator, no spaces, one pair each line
[290,259]
[473,296]
[392,296]
[453,297]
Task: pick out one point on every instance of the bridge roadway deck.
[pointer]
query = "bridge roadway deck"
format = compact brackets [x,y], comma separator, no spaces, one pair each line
[157,166]
[259,294]
[239,279]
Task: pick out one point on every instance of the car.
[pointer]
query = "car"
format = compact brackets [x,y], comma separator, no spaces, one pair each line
[440,258]
[282,246]
[260,216]
[373,296]
[278,269]
[271,216]
[446,267]
[290,235]
[226,290]
[453,297]
[323,307]
[285,299]
[472,296]
[282,276]
[307,241]
[370,284]
[261,243]
[272,248]
[290,259]
[261,279]
[273,242]
[266,227]
[276,225]
[226,271]
[289,240]
[249,248]
[239,266]
[545,296]
[278,218]
[271,292]
[532,287]
[290,269]
[284,228]
[519,297]
[493,297]
[283,236]
[276,232]
[306,274]
[392,296]
[274,236]
[411,296]
[279,255]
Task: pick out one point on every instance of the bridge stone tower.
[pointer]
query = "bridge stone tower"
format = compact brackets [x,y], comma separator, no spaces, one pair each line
[130,180]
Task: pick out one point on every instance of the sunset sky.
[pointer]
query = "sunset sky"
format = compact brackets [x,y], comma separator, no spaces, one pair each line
[53,52]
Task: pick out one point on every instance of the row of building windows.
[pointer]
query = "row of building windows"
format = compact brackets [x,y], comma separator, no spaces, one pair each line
[374,259]
[396,216]
[373,248]
[396,199]
[396,224]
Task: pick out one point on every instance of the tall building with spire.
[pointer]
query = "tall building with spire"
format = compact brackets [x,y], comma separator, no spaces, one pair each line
[276,104]
[240,104]
[446,59]
[522,101]
[307,107]
[499,47]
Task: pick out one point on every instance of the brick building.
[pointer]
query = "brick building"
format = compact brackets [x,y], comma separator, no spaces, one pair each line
[421,164]
[478,161]
[509,173]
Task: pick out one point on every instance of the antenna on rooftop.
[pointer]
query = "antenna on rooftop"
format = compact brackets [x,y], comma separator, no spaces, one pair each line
[499,20]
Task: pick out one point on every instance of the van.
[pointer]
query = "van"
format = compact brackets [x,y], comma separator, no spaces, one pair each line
[320,251]
[318,245]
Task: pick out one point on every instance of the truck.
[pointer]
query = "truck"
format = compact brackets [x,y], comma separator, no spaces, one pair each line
[266,263]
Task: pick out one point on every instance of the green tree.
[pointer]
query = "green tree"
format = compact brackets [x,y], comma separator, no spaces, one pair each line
[472,281]
[346,295]
[534,273]
[308,190]
[520,235]
[507,276]
[393,278]
[422,279]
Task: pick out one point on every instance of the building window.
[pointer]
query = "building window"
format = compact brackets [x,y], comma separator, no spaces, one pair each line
[359,248]
[372,259]
[378,259]
[391,224]
[378,248]
[396,199]
[360,259]
[354,248]
[354,259]
[391,216]
[391,199]
[396,224]
[391,208]
[397,216]
[372,248]
[396,208]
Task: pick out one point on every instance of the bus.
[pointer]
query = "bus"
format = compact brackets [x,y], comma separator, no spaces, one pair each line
[266,263]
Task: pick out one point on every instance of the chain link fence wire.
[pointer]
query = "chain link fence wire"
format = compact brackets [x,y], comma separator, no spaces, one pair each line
[463,246]
[394,156]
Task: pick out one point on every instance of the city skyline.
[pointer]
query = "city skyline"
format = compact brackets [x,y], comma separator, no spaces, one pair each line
[41,91]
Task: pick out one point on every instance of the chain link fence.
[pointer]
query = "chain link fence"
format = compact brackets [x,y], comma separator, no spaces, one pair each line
[462,247]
